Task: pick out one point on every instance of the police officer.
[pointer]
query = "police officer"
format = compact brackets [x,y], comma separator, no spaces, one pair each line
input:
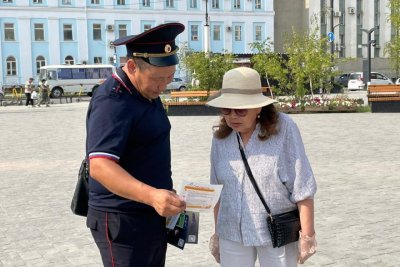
[128,146]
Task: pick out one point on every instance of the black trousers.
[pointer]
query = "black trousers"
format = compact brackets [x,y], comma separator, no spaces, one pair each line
[28,99]
[129,239]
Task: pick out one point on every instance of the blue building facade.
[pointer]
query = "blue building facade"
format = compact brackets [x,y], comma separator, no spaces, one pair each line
[35,33]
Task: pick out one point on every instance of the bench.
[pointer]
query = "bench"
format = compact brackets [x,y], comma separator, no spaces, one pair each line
[384,98]
[197,95]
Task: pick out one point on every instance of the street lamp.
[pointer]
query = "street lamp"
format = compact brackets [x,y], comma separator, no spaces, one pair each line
[369,44]
[206,32]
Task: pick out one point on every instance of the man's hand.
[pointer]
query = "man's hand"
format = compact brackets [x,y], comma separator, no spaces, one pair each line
[167,203]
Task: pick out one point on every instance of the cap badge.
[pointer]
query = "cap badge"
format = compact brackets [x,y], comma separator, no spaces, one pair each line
[167,48]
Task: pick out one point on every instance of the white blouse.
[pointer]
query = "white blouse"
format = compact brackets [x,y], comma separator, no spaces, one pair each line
[279,166]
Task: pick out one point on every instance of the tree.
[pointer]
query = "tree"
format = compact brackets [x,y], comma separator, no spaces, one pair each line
[308,62]
[270,65]
[392,48]
[208,68]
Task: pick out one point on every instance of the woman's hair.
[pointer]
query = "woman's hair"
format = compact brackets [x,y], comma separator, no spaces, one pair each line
[268,121]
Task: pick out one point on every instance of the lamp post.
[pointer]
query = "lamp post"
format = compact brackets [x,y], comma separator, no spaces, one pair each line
[369,44]
[206,32]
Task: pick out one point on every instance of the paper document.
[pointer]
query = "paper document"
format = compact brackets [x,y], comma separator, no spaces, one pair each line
[200,197]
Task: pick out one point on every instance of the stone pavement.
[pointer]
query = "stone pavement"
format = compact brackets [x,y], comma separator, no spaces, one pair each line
[355,158]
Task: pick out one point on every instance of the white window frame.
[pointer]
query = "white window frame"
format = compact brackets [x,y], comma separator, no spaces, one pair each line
[67,29]
[11,65]
[193,3]
[122,30]
[9,32]
[97,36]
[39,31]
[238,33]
[69,60]
[169,3]
[217,32]
[146,3]
[194,32]
[40,62]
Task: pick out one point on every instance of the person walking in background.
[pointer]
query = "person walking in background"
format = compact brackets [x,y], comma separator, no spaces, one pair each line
[44,93]
[276,156]
[128,146]
[29,87]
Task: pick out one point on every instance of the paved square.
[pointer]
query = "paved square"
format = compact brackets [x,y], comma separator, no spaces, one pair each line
[355,157]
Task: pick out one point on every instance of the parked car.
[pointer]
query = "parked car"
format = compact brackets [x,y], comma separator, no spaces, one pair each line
[342,79]
[176,84]
[356,80]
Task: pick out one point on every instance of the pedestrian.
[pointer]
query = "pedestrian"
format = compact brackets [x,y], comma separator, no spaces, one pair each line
[44,93]
[34,97]
[29,87]
[128,146]
[276,156]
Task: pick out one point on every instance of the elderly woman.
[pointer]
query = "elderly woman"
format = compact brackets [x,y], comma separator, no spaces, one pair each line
[276,157]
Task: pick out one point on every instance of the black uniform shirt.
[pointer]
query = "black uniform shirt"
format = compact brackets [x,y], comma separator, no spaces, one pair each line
[125,127]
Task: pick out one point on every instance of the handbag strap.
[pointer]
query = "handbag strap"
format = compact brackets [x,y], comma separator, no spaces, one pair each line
[251,177]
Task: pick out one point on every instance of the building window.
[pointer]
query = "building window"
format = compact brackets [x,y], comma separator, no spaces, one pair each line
[67,32]
[96,31]
[257,4]
[9,34]
[7,1]
[69,60]
[215,4]
[193,4]
[98,60]
[95,2]
[11,66]
[66,2]
[169,3]
[39,31]
[120,2]
[40,62]
[238,33]
[122,31]
[258,33]
[38,1]
[194,32]
[146,3]
[236,4]
[217,33]
[146,27]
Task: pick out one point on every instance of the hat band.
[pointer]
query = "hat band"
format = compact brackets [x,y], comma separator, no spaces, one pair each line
[241,91]
[147,55]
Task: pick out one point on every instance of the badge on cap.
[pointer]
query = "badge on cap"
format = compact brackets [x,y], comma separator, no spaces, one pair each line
[167,48]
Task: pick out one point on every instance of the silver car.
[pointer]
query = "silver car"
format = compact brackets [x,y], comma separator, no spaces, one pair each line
[177,84]
[356,80]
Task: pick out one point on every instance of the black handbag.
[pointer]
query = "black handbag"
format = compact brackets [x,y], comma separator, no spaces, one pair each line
[284,227]
[79,203]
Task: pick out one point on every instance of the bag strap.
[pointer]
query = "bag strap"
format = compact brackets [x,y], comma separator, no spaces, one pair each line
[251,177]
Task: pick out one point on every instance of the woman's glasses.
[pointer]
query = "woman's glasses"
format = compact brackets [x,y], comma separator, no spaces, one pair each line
[238,112]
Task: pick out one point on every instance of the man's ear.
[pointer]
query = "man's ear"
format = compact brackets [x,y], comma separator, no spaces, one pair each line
[131,66]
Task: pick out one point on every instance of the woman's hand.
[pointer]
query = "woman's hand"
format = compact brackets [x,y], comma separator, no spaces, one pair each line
[214,247]
[307,247]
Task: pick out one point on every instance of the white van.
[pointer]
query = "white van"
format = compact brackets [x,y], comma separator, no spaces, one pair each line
[356,80]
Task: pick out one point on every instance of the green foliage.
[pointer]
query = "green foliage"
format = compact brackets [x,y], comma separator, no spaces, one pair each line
[392,48]
[208,68]
[270,65]
[309,63]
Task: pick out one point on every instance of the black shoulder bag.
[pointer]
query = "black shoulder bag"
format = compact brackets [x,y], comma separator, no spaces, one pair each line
[79,203]
[284,227]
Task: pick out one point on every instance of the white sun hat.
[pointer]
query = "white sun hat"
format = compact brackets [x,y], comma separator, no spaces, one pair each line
[241,89]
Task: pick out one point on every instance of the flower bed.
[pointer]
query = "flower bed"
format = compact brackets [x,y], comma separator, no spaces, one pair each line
[318,104]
